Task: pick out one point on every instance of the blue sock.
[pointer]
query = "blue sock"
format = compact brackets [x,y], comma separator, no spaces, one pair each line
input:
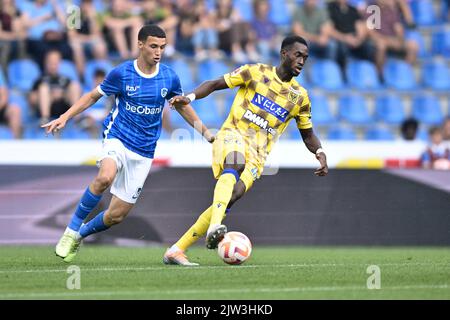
[94,226]
[87,204]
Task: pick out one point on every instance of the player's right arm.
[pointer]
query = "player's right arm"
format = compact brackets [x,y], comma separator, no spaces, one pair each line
[202,91]
[82,104]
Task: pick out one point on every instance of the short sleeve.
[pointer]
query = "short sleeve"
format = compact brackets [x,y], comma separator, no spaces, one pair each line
[239,77]
[112,84]
[303,118]
[176,89]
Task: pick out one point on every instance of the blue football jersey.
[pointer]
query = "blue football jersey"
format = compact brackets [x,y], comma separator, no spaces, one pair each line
[136,118]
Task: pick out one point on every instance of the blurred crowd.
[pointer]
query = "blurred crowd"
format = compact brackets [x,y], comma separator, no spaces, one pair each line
[51,32]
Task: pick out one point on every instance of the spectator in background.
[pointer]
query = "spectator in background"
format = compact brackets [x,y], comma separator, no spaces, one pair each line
[313,23]
[12,32]
[122,27]
[409,129]
[185,29]
[390,37]
[206,39]
[235,35]
[91,119]
[265,30]
[350,32]
[46,25]
[437,154]
[162,13]
[446,131]
[406,13]
[52,93]
[9,113]
[87,37]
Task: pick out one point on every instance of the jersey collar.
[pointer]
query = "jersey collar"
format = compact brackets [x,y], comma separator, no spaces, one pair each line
[144,75]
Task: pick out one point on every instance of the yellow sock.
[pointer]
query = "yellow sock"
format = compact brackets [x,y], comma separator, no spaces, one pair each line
[195,232]
[222,196]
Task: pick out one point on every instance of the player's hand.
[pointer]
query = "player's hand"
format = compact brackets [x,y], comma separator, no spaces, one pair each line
[55,125]
[211,139]
[323,170]
[179,100]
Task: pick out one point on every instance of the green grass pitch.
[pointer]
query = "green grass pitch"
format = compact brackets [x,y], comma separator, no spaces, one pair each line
[272,273]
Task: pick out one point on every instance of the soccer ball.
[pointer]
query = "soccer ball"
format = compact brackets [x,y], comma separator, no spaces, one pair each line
[234,248]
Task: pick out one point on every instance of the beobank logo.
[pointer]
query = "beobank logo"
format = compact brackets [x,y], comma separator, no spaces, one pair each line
[142,110]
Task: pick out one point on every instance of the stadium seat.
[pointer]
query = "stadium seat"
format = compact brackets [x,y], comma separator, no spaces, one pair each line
[279,13]
[379,133]
[436,75]
[353,108]
[326,74]
[211,69]
[441,42]
[91,67]
[423,12]
[321,111]
[390,109]
[427,109]
[67,68]
[399,75]
[19,99]
[184,72]
[5,133]
[22,74]
[422,135]
[362,74]
[208,112]
[417,37]
[341,133]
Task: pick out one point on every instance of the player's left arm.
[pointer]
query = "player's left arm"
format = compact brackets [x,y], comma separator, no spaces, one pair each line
[313,144]
[188,113]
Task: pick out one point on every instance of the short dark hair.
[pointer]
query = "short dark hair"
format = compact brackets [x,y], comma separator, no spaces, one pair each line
[99,73]
[291,39]
[150,30]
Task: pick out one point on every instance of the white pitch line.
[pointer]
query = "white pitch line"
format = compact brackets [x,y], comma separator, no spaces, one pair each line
[320,265]
[214,290]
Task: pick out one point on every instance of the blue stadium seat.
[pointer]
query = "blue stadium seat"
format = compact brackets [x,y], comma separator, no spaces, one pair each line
[22,74]
[441,42]
[279,13]
[208,112]
[5,133]
[417,37]
[399,75]
[91,67]
[321,111]
[423,12]
[67,68]
[436,75]
[353,108]
[362,74]
[327,75]
[341,133]
[19,99]
[427,109]
[211,69]
[422,134]
[183,70]
[302,79]
[379,133]
[245,8]
[390,109]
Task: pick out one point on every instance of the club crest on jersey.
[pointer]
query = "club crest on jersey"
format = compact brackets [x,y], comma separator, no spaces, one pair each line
[293,97]
[164,92]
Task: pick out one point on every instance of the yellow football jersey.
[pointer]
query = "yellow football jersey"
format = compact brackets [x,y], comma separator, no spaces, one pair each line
[264,105]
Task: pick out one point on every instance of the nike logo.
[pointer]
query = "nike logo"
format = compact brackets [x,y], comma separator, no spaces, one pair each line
[132,94]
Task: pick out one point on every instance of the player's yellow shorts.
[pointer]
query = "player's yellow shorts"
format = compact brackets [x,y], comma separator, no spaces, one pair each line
[228,141]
